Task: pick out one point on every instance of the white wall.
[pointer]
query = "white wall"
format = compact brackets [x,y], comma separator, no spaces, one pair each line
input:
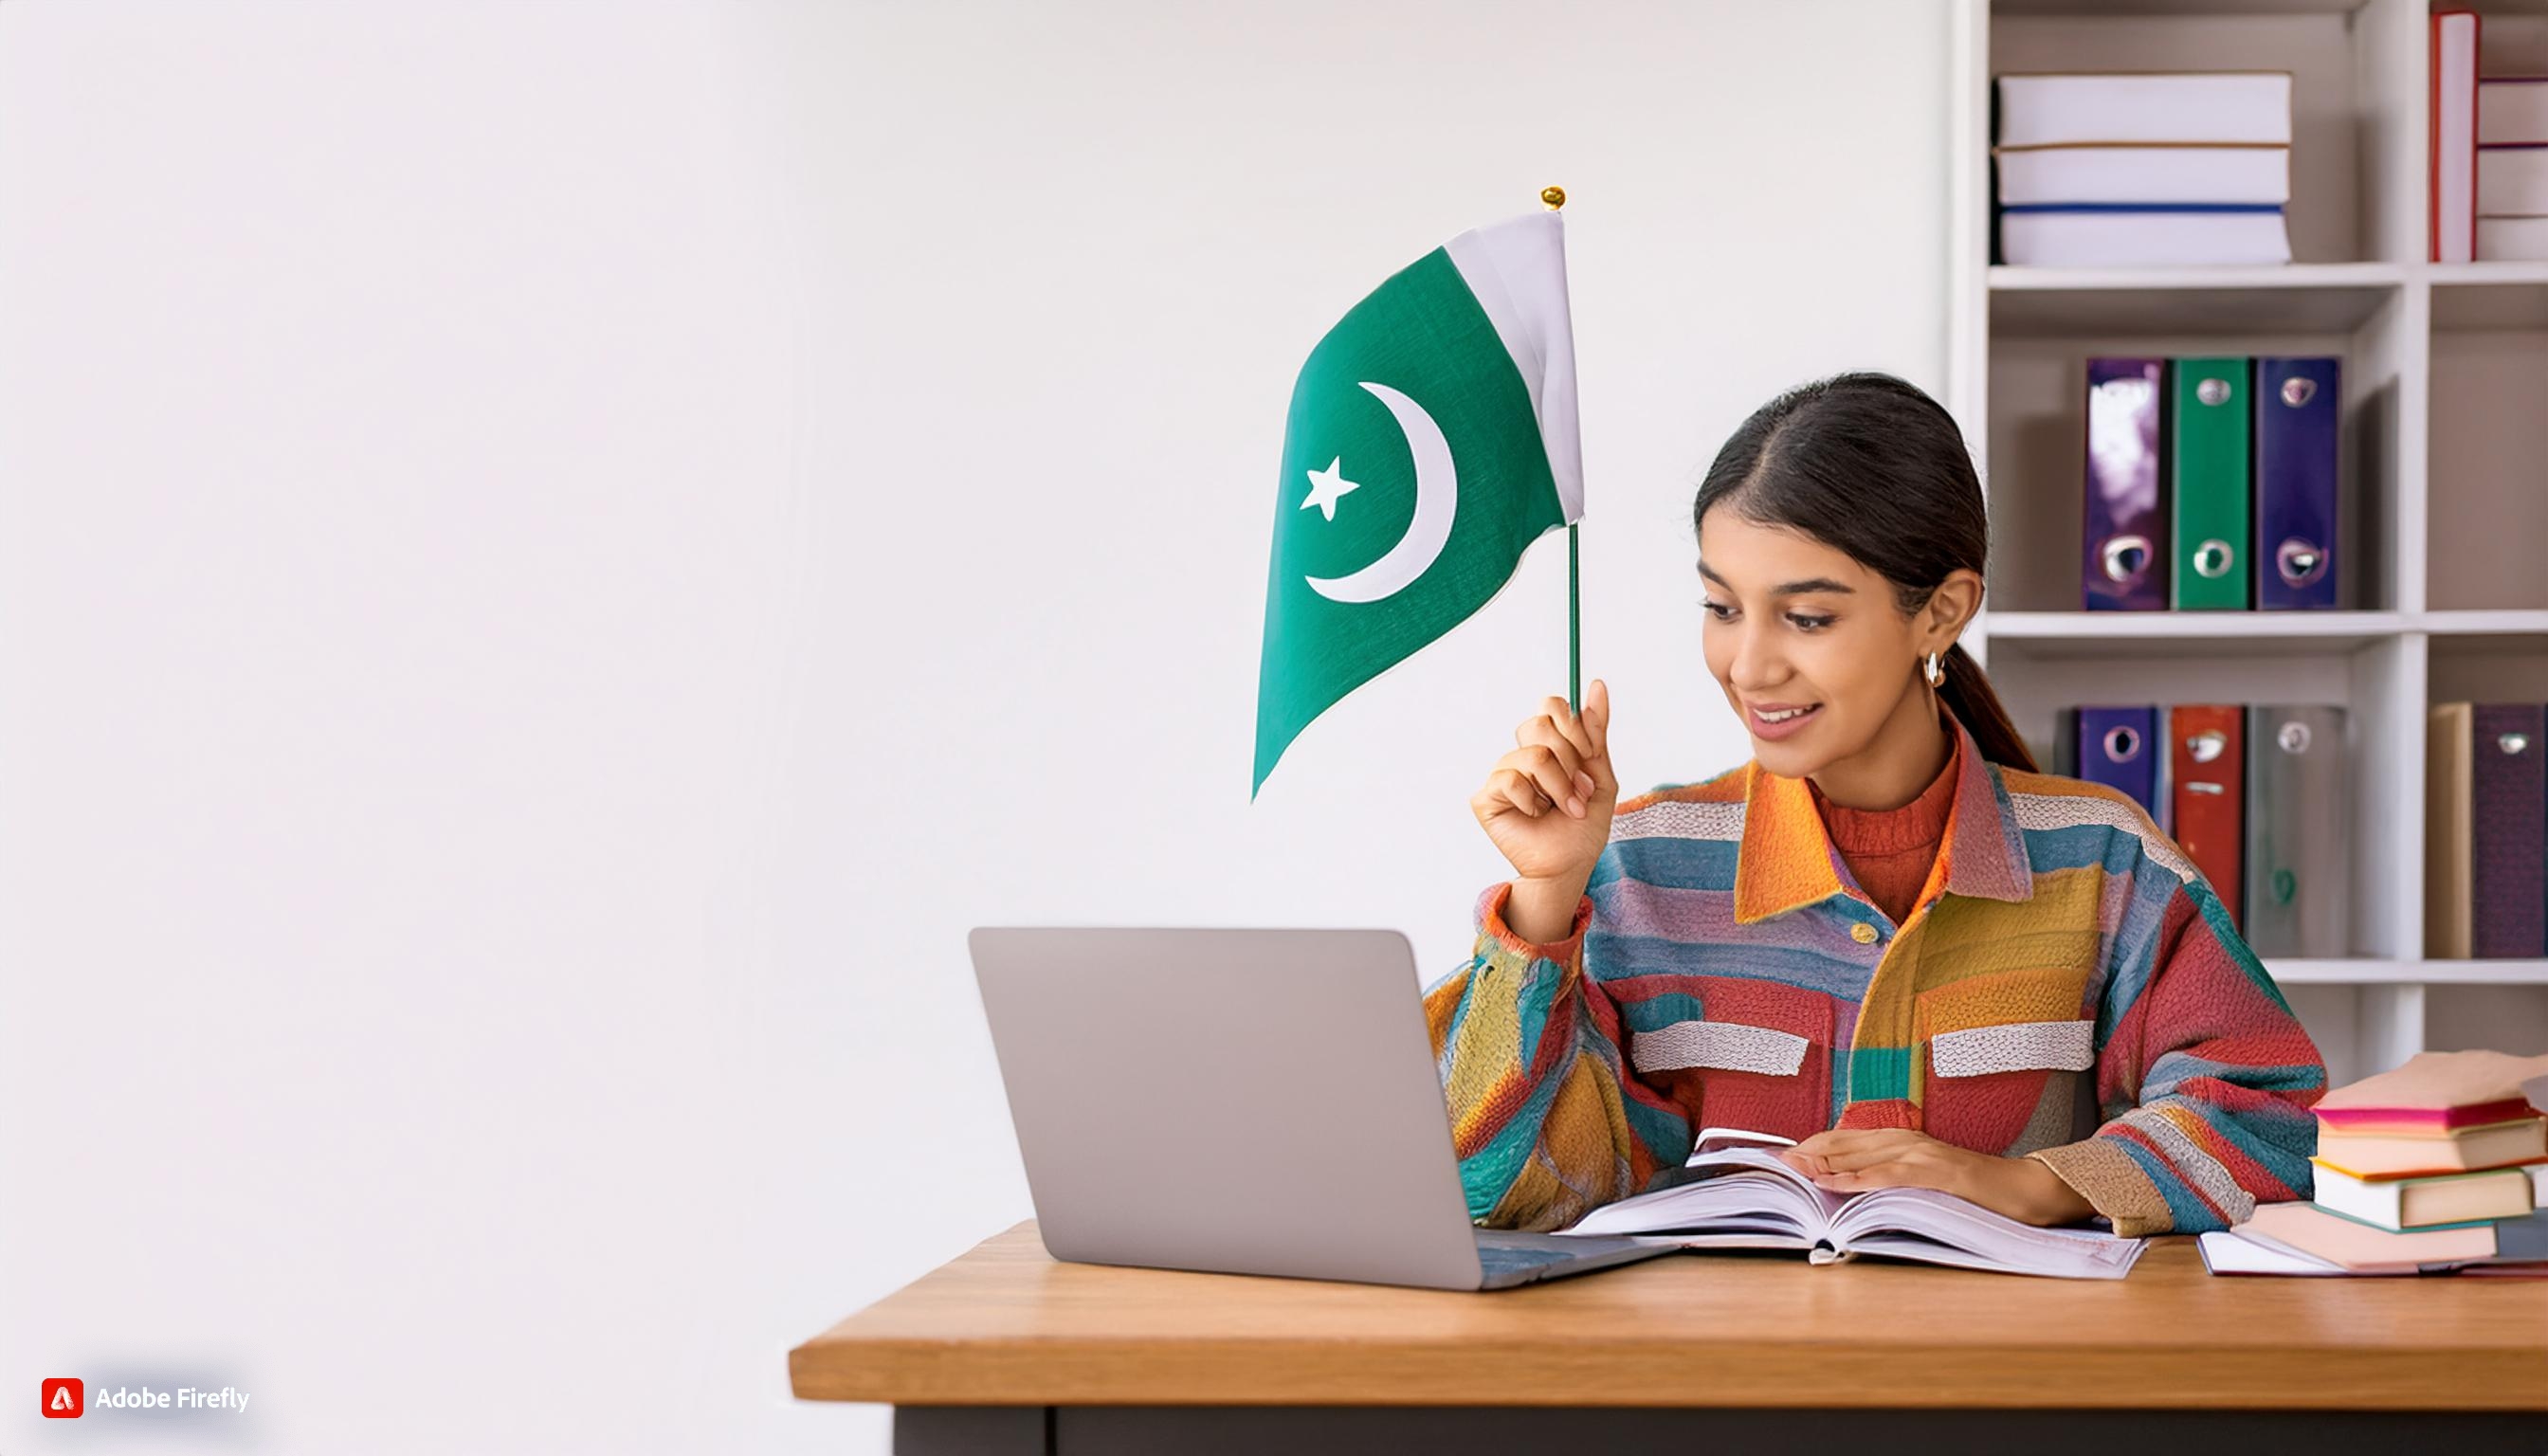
[554,558]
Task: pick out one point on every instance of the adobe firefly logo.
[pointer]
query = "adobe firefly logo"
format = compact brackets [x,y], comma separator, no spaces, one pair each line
[65,1399]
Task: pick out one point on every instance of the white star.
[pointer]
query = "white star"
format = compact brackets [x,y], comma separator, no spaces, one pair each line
[1326,484]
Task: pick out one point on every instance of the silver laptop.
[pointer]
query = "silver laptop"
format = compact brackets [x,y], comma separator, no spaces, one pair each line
[1246,1102]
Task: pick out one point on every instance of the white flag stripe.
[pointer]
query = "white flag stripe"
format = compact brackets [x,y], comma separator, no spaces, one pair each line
[1516,271]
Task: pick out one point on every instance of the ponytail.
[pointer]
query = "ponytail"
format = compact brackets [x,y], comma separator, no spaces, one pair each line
[1967,693]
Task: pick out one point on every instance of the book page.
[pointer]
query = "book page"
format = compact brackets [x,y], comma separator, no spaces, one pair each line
[1740,1191]
[1989,1240]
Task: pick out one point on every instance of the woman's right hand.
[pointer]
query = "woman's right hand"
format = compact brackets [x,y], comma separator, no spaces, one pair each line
[1547,804]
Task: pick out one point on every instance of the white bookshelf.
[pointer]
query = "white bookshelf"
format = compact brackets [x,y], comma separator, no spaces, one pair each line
[2444,453]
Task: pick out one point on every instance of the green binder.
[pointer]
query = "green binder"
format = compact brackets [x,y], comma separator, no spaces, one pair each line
[2207,457]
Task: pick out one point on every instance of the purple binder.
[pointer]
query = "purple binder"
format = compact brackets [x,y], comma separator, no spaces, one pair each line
[2297,412]
[2508,829]
[2119,747]
[2124,567]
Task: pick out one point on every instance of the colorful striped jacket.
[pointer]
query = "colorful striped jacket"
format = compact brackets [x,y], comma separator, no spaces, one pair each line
[2067,988]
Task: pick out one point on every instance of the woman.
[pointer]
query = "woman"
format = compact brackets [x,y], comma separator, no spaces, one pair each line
[1887,936]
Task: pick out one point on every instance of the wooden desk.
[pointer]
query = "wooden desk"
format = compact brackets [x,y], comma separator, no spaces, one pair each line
[1006,1349]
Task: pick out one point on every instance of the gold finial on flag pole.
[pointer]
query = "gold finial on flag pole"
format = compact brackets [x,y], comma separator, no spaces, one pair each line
[1555,197]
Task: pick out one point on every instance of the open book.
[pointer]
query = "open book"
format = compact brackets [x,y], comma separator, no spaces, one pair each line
[1735,1193]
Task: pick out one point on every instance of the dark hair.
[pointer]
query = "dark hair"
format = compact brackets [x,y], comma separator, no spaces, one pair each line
[1869,465]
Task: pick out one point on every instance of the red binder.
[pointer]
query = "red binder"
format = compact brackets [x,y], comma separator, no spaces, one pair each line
[2206,763]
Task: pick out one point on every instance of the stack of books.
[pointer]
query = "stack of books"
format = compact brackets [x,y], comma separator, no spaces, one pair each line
[2255,796]
[2489,144]
[2441,1164]
[2512,168]
[2485,831]
[2211,483]
[2121,170]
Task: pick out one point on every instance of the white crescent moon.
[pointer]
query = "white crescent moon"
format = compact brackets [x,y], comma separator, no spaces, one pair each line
[1438,497]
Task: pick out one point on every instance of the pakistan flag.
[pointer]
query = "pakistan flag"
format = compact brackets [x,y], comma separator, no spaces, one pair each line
[1432,438]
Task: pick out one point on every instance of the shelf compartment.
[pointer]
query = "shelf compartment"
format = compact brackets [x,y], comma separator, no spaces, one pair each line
[2357,95]
[2167,634]
[2485,500]
[2314,297]
[2377,678]
[2497,1014]
[2490,667]
[2036,423]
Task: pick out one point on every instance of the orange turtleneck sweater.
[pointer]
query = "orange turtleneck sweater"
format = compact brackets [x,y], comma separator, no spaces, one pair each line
[1890,851]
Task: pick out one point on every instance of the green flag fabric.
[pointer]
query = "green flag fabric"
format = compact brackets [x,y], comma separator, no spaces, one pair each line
[1432,438]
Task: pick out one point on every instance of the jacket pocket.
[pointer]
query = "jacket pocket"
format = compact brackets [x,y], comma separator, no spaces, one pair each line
[1760,1056]
[2004,1058]
[2013,1047]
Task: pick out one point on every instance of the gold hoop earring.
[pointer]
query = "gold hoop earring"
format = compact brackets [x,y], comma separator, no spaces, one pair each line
[1935,671]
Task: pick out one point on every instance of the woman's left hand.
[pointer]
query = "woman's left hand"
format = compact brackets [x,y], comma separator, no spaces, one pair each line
[1855,1160]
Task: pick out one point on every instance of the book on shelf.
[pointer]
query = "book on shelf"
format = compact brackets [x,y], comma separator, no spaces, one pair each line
[2487,150]
[2296,404]
[2511,238]
[2124,566]
[2512,168]
[2116,745]
[2450,136]
[2208,794]
[2090,108]
[2485,831]
[2256,173]
[2511,109]
[2449,924]
[2206,485]
[2299,831]
[2513,179]
[2509,828]
[2096,169]
[1735,1192]
[2141,234]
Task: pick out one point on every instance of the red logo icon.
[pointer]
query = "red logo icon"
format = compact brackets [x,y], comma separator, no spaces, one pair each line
[65,1399]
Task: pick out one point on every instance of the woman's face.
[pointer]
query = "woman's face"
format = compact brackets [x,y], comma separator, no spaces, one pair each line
[1810,645]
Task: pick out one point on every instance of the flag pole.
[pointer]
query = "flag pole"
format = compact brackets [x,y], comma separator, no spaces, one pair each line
[1555,198]
[1574,626]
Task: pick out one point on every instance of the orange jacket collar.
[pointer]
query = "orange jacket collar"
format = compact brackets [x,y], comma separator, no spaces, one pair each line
[1787,859]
